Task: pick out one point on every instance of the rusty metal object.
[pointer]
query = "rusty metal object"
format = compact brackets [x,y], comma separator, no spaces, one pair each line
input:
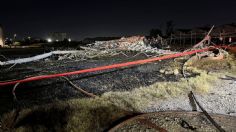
[232,49]
[78,88]
[177,121]
[149,124]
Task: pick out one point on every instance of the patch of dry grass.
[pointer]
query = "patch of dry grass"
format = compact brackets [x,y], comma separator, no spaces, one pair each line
[226,65]
[99,113]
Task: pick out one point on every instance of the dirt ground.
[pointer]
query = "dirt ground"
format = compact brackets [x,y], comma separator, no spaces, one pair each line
[122,92]
[46,91]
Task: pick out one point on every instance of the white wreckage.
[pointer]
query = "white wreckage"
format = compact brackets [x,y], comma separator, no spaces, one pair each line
[99,49]
[134,43]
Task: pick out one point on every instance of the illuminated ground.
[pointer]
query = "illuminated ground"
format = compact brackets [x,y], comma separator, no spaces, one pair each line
[123,92]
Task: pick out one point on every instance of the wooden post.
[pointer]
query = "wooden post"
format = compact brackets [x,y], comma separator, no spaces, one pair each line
[174,40]
[180,39]
[223,37]
[184,38]
[191,39]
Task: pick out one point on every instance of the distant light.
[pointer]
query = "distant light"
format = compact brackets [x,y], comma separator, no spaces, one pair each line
[69,39]
[29,37]
[57,40]
[49,40]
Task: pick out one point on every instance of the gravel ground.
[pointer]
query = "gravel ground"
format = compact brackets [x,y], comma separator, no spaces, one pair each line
[176,122]
[221,99]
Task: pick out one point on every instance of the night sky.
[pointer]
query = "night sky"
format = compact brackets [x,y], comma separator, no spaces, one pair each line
[96,18]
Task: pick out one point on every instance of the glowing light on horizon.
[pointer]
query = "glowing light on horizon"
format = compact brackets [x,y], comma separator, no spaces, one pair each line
[49,40]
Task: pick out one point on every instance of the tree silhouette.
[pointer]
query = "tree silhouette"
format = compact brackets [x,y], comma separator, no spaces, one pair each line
[169,28]
[155,32]
[1,31]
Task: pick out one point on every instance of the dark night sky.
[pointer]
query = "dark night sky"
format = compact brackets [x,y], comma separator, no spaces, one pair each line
[109,17]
